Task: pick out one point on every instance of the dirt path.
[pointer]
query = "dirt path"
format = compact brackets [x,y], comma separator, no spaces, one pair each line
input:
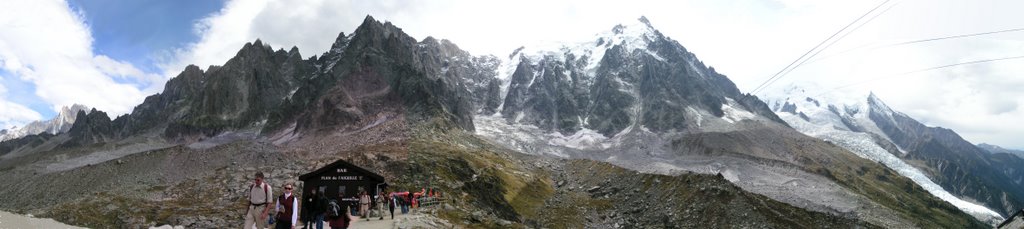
[374,223]
[412,220]
[11,220]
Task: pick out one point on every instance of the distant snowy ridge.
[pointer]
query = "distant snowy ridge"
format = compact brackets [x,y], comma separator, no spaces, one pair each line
[848,126]
[58,124]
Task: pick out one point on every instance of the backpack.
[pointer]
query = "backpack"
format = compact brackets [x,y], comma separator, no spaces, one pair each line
[333,210]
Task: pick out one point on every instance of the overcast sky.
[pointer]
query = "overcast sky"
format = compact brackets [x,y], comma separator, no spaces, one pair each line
[110,54]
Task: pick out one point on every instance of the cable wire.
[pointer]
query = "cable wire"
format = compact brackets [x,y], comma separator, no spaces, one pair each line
[921,70]
[875,47]
[759,87]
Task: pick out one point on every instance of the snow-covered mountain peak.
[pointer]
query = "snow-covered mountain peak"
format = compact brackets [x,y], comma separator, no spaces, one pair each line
[878,105]
[631,36]
[584,57]
[807,90]
[58,124]
[835,110]
[70,113]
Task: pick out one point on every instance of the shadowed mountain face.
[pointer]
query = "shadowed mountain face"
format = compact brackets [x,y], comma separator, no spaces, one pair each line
[378,68]
[631,97]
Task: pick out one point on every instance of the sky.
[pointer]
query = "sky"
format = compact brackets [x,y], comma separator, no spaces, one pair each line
[110,54]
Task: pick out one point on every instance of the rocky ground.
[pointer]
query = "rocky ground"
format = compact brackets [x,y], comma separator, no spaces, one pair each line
[487,186]
[600,195]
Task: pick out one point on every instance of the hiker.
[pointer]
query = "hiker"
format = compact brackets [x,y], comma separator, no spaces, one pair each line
[381,201]
[409,198]
[307,209]
[341,220]
[391,204]
[364,205]
[287,209]
[415,200]
[321,210]
[259,203]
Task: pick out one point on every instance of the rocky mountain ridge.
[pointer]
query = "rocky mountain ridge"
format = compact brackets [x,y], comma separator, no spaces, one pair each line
[997,149]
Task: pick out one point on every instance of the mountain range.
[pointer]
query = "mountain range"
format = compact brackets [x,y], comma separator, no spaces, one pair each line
[996,149]
[588,130]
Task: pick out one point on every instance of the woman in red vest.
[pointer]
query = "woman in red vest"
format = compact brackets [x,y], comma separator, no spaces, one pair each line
[287,209]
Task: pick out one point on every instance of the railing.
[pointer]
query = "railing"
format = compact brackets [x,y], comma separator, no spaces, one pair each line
[430,201]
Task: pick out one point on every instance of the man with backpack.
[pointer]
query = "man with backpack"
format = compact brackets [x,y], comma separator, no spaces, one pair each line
[259,203]
[338,216]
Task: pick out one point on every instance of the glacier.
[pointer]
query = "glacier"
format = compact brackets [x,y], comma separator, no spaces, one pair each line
[814,119]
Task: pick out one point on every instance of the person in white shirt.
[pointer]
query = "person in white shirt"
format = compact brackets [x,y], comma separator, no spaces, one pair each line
[364,205]
[260,197]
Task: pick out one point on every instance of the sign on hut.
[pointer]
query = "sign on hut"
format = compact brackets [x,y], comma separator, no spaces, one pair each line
[342,181]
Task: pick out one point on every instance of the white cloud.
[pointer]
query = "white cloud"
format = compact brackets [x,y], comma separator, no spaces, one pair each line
[13,114]
[49,45]
[221,35]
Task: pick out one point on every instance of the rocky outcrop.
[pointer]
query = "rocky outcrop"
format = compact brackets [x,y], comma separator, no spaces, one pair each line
[381,69]
[90,128]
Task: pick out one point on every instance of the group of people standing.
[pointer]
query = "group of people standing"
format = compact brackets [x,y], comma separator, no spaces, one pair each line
[390,200]
[317,206]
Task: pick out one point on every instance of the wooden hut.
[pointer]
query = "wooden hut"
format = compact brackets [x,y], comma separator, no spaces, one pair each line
[342,181]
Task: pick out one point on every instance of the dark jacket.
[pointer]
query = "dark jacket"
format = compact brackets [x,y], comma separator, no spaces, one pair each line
[322,204]
[310,206]
[342,221]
